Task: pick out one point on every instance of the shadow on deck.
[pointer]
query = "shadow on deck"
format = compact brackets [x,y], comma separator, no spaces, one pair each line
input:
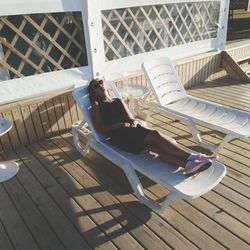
[60,200]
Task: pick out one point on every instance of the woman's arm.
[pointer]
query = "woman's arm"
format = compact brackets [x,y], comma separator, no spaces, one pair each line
[127,111]
[133,122]
[99,126]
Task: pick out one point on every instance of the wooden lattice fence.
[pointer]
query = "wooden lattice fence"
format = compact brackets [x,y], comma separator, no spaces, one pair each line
[37,43]
[136,30]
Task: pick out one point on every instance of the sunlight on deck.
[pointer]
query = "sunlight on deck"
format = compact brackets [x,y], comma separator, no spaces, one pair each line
[61,200]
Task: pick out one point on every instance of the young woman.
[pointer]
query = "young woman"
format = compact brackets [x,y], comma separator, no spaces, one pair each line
[112,117]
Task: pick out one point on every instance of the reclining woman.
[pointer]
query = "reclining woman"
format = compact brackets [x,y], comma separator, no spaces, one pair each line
[112,117]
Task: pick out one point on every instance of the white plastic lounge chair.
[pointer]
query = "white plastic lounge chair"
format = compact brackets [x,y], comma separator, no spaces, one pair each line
[173,99]
[179,185]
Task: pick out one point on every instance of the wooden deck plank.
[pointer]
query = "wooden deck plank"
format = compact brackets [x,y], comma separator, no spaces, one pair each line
[235,197]
[4,239]
[52,116]
[81,203]
[59,113]
[139,231]
[223,235]
[61,225]
[20,236]
[155,223]
[204,218]
[38,226]
[67,204]
[20,126]
[44,118]
[237,186]
[198,237]
[101,217]
[36,119]
[29,126]
[65,107]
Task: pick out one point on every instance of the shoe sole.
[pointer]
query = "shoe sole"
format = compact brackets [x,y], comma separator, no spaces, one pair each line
[204,167]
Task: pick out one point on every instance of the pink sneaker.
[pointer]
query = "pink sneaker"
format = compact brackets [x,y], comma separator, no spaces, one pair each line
[203,157]
[196,166]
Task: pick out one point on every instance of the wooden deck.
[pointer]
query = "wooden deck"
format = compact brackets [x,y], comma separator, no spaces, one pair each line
[60,200]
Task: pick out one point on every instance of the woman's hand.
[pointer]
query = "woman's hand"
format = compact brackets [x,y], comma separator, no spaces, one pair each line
[125,124]
[122,125]
[133,123]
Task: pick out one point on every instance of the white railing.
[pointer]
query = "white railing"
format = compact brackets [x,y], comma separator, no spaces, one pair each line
[149,28]
[134,31]
[28,13]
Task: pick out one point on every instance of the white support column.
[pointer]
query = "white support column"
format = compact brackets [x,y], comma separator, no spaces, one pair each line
[96,37]
[86,28]
[222,26]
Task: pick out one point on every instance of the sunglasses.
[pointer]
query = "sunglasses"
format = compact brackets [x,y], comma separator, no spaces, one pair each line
[98,84]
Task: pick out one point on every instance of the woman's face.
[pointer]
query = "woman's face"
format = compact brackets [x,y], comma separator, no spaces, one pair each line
[99,88]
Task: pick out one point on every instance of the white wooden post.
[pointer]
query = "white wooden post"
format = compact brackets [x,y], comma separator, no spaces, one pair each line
[223,22]
[96,37]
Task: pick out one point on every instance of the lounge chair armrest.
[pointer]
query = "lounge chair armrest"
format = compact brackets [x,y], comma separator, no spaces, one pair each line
[171,113]
[189,122]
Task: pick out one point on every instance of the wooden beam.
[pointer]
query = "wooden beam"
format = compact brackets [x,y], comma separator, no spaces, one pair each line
[233,68]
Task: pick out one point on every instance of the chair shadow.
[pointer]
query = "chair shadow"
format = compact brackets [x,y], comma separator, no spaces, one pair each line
[111,218]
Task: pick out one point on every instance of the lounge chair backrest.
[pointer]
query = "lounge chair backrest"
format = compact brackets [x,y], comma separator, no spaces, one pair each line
[81,96]
[164,80]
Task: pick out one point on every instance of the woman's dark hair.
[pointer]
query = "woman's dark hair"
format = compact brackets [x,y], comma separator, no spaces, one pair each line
[92,89]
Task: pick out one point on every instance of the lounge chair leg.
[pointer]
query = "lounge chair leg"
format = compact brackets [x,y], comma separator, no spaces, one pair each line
[196,134]
[75,130]
[226,139]
[199,141]
[142,197]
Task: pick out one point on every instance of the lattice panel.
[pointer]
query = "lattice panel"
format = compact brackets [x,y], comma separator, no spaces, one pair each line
[135,30]
[33,44]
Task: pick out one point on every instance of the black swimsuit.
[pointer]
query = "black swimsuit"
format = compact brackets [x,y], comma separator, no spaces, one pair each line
[130,139]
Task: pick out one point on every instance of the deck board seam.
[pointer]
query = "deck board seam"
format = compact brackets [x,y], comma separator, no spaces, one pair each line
[136,199]
[89,194]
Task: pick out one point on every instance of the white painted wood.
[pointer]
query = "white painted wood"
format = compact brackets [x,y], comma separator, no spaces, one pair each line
[114,4]
[51,83]
[16,7]
[115,68]
[96,37]
[223,22]
[92,19]
[127,65]
[48,84]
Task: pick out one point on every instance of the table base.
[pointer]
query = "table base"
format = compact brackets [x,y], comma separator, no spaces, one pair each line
[7,170]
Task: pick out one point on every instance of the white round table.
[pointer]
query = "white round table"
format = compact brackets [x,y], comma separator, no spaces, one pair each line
[7,168]
[133,92]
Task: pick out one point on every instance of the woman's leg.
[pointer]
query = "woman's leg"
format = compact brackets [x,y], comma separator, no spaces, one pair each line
[171,159]
[155,139]
[171,153]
